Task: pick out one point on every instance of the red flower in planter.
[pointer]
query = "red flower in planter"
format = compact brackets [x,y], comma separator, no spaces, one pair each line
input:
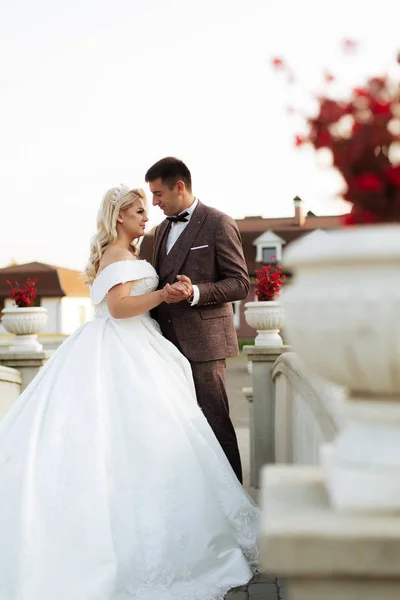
[359,217]
[362,132]
[361,93]
[278,63]
[299,140]
[393,175]
[23,296]
[269,280]
[369,182]
[349,45]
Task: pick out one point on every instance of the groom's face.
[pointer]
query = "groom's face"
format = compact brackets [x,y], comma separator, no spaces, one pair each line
[170,201]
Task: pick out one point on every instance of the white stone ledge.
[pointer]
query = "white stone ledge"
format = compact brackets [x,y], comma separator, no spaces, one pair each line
[303,536]
[10,375]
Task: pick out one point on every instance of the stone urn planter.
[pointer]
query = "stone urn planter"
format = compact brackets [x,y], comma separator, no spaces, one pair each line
[342,315]
[25,323]
[267,318]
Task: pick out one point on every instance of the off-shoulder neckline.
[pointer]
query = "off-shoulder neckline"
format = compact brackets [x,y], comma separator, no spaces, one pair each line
[119,261]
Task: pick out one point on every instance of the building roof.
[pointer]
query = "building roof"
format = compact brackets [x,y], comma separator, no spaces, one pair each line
[251,227]
[52,281]
[311,222]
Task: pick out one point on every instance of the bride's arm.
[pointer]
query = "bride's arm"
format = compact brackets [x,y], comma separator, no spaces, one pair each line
[124,306]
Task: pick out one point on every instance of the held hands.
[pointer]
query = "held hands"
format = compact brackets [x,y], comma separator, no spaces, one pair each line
[178,291]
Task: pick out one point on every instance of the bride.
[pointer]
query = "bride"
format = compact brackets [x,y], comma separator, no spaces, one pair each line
[112,484]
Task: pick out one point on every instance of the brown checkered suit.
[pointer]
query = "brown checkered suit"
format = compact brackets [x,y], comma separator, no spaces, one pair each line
[209,251]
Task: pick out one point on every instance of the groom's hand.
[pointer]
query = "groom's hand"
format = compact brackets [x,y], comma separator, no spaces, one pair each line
[184,279]
[176,292]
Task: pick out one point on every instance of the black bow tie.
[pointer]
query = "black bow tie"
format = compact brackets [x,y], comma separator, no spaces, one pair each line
[179,218]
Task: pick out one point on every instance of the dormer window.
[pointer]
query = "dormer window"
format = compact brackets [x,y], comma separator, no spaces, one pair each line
[269,254]
[269,247]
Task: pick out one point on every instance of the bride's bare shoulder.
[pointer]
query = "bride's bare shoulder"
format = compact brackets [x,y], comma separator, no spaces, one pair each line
[112,255]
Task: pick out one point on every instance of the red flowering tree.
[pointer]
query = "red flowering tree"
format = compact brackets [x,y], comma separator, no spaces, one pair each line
[362,134]
[23,296]
[269,280]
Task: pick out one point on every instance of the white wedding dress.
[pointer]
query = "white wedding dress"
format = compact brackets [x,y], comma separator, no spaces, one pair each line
[112,484]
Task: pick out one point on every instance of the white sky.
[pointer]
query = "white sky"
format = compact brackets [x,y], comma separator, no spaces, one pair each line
[92,92]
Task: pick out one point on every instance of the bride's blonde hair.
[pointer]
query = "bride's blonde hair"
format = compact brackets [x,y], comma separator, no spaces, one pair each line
[115,200]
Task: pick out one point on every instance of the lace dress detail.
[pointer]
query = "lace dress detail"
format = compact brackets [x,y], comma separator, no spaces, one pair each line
[112,484]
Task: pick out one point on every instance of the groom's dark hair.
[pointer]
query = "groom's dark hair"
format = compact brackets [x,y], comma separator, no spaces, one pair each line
[170,170]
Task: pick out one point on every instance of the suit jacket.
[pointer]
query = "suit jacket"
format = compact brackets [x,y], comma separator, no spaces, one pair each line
[209,251]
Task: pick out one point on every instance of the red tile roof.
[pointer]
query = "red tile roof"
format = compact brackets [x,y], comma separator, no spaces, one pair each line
[52,281]
[251,227]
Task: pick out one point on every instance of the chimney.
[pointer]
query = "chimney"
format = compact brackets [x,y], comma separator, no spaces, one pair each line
[299,216]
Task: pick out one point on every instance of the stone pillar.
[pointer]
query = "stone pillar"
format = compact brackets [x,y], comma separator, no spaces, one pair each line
[263,430]
[10,388]
[27,363]
[322,553]
[248,394]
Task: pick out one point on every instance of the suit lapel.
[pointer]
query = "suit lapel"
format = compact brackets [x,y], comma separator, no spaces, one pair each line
[181,248]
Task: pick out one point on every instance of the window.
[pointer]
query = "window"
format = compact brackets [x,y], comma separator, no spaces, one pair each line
[269,254]
[268,244]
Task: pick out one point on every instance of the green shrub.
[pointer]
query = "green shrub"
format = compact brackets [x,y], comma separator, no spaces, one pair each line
[245,343]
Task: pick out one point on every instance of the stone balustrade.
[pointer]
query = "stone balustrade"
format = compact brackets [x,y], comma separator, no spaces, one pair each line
[292,411]
[332,530]
[320,553]
[262,415]
[10,387]
[307,411]
[27,364]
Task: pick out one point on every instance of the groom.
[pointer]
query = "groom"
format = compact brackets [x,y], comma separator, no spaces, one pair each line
[205,245]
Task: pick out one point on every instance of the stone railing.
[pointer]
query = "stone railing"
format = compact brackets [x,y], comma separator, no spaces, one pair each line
[307,411]
[262,408]
[321,553]
[10,387]
[291,410]
[27,364]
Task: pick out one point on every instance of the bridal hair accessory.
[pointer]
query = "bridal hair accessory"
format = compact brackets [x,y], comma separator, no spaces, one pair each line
[119,193]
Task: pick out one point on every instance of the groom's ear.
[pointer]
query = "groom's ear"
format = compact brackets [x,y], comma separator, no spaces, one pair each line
[180,186]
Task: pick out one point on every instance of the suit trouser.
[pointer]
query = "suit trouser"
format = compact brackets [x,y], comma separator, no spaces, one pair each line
[209,381]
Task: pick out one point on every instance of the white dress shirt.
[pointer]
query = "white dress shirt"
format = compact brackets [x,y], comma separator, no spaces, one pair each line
[173,235]
[177,228]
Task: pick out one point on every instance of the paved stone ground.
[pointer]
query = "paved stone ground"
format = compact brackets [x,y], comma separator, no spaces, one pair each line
[262,587]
